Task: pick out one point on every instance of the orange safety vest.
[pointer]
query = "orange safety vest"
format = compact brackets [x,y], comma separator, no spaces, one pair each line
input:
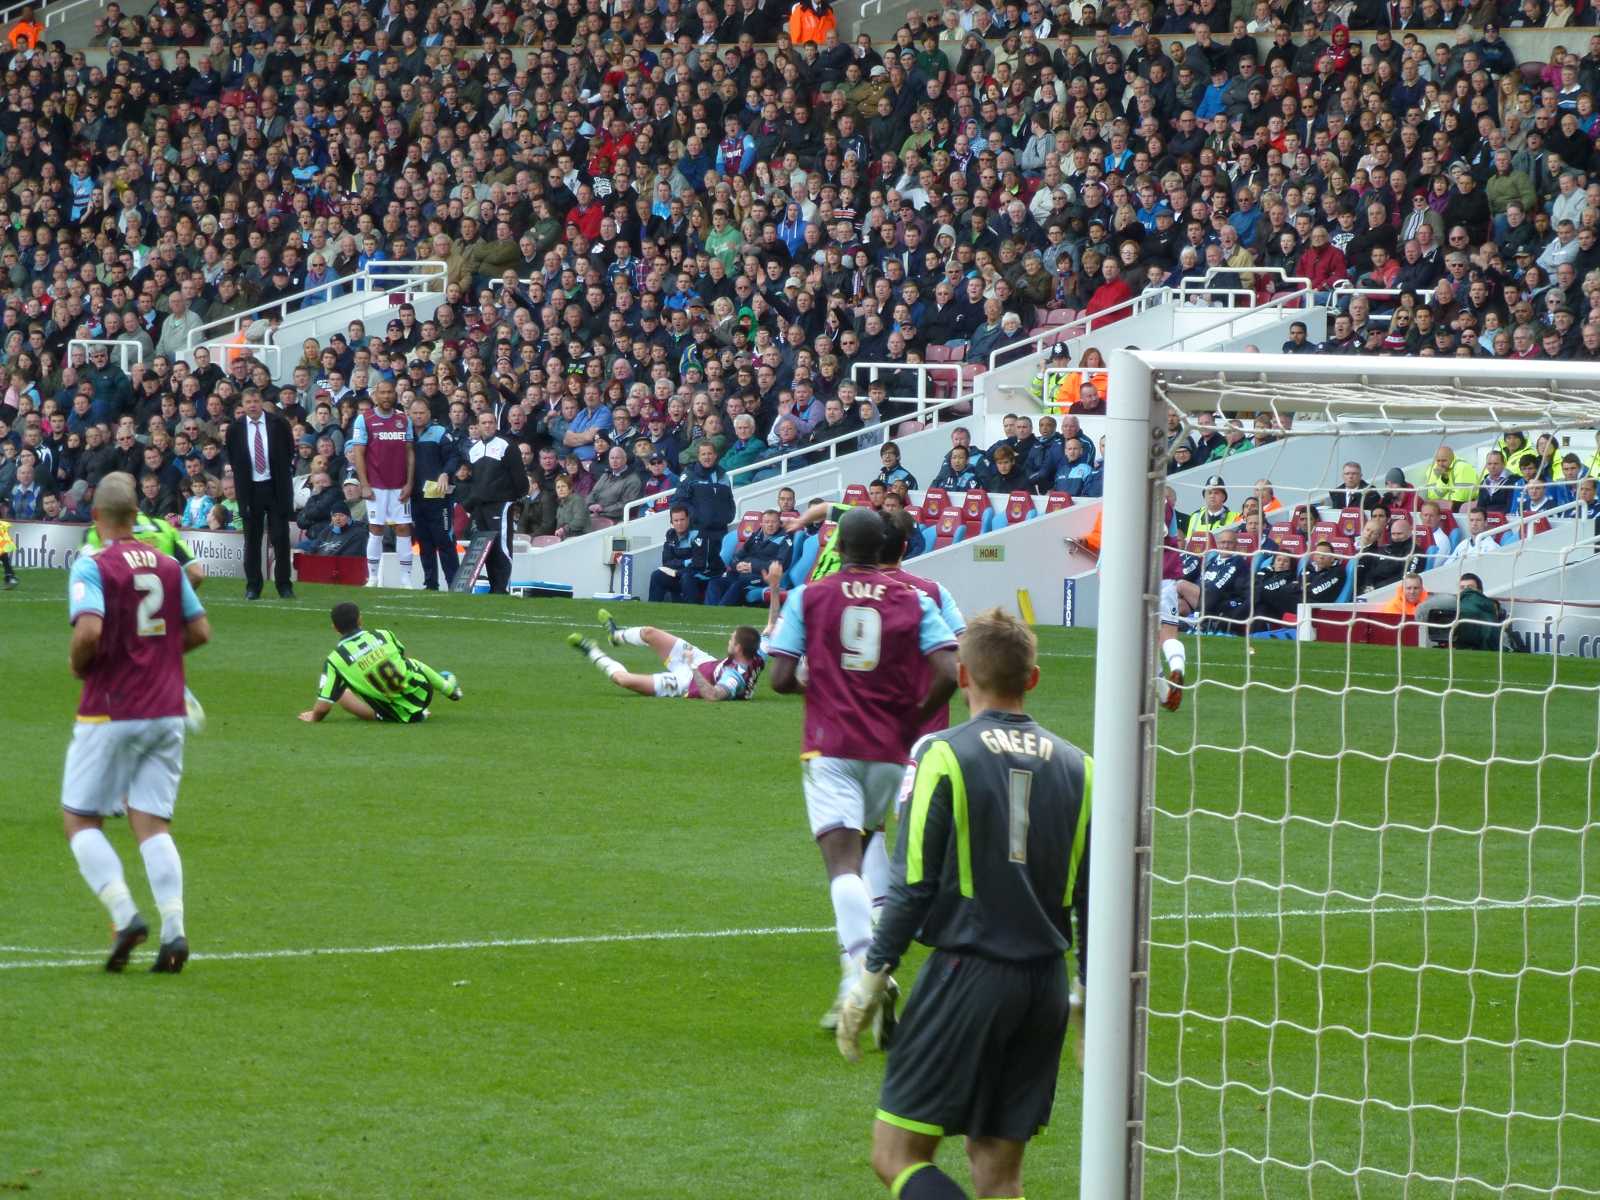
[806,26]
[24,35]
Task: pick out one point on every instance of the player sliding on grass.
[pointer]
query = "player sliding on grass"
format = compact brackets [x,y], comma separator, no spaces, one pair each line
[369,676]
[690,671]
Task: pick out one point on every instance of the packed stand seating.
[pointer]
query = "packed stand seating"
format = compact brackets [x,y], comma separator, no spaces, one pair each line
[673,226]
[1246,569]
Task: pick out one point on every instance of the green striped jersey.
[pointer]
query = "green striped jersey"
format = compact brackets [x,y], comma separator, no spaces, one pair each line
[373,664]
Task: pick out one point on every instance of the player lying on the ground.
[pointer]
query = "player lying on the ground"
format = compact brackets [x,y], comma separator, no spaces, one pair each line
[369,676]
[690,671]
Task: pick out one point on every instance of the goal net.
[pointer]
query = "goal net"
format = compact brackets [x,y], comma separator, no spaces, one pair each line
[1345,909]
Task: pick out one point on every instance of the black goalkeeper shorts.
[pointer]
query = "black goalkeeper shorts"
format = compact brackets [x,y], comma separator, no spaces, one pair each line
[978,1049]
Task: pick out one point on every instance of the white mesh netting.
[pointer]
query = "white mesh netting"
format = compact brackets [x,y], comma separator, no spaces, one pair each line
[1372,895]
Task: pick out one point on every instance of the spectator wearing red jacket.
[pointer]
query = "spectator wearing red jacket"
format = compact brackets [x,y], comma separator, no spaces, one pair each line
[587,214]
[1114,291]
[1323,263]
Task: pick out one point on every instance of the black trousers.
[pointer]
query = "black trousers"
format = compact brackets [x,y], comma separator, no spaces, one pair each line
[430,524]
[263,511]
[496,518]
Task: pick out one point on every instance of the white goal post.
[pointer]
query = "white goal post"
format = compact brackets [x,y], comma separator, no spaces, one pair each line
[1344,932]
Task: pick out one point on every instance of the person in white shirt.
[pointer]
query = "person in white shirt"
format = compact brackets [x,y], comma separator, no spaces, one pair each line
[1479,539]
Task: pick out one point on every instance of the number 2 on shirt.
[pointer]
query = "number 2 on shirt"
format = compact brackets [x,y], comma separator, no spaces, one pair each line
[861,635]
[152,594]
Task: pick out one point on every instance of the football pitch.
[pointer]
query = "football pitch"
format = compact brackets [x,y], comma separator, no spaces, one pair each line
[562,941]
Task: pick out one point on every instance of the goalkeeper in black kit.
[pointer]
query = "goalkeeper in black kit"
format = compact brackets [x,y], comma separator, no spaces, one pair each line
[993,853]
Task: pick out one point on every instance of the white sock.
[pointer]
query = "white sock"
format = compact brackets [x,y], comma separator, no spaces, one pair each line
[102,871]
[875,871]
[374,552]
[632,635]
[165,871]
[852,914]
[1172,648]
[610,666]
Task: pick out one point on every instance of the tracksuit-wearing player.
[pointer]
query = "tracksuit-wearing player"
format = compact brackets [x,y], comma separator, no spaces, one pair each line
[385,462]
[992,854]
[369,676]
[134,617]
[690,672]
[864,636]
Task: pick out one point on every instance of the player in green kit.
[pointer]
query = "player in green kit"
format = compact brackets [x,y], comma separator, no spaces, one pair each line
[159,534]
[369,676]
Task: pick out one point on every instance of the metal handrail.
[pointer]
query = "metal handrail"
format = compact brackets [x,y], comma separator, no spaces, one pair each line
[1132,306]
[404,277]
[830,450]
[252,348]
[123,345]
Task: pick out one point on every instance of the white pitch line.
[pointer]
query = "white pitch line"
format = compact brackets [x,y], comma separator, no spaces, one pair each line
[685,935]
[580,622]
[588,939]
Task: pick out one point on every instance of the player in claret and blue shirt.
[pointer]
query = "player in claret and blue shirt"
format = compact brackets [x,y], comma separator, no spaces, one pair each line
[691,673]
[134,617]
[880,662]
[385,463]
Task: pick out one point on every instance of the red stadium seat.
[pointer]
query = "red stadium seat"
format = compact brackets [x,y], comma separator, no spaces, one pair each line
[1019,507]
[937,353]
[1248,542]
[1199,543]
[1059,316]
[934,503]
[1291,543]
[1494,520]
[545,539]
[1350,522]
[1324,529]
[973,509]
[601,523]
[916,513]
[1342,546]
[950,529]
[748,524]
[856,493]
[1056,501]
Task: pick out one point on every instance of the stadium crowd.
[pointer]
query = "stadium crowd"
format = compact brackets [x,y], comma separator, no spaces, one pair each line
[672,232]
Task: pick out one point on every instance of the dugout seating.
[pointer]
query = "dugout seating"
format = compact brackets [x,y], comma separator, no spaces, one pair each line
[950,529]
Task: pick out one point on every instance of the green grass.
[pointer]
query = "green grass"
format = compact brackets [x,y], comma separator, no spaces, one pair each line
[551,806]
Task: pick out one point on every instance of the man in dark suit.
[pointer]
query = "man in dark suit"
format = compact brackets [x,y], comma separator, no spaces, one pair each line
[260,454]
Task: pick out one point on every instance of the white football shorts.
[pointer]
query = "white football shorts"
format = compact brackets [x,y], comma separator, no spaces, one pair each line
[683,661]
[386,508]
[1169,601]
[849,793]
[116,765]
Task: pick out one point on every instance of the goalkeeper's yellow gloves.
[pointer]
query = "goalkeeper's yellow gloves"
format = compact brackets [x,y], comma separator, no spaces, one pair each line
[855,1014]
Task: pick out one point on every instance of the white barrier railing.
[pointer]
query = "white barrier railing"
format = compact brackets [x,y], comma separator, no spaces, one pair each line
[128,351]
[405,276]
[806,457]
[257,350]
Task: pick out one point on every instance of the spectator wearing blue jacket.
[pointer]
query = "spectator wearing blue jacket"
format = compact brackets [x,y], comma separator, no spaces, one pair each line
[707,492]
[892,471]
[682,574]
[1077,475]
[767,545]
[957,476]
